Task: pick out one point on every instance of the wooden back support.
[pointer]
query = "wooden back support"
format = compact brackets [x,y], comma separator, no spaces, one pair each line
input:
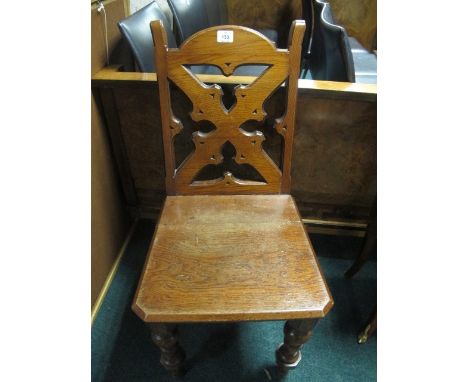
[248,48]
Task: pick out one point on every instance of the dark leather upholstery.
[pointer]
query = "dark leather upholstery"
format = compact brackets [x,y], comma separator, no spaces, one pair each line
[217,12]
[333,55]
[330,56]
[271,34]
[308,17]
[195,15]
[365,63]
[122,56]
[356,46]
[191,17]
[136,30]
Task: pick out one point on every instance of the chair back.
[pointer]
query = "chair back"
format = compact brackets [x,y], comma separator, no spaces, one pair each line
[136,31]
[189,17]
[330,54]
[246,47]
[308,16]
[217,12]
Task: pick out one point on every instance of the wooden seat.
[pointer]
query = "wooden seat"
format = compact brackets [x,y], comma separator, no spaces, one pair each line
[229,247]
[227,258]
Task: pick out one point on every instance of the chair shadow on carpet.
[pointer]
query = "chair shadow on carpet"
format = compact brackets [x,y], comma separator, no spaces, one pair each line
[214,353]
[220,339]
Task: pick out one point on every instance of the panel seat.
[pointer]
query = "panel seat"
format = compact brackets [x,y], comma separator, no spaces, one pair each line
[231,257]
[230,247]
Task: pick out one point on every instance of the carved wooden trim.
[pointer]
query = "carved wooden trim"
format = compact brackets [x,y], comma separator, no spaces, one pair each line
[248,48]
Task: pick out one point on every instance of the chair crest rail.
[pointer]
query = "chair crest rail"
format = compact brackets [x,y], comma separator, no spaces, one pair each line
[247,48]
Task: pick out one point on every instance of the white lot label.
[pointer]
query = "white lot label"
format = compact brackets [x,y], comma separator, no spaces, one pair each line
[225,36]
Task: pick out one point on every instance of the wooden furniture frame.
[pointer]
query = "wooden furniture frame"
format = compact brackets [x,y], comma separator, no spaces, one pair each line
[229,249]
[333,169]
[207,105]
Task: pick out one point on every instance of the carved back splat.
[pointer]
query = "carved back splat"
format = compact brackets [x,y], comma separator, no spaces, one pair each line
[248,48]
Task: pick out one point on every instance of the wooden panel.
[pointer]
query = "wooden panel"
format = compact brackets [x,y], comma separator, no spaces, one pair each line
[359,17]
[113,78]
[336,120]
[109,219]
[112,120]
[336,146]
[206,251]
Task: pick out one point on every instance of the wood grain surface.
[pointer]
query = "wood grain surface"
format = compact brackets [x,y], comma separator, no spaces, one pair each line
[110,76]
[231,257]
[109,219]
[248,47]
[334,155]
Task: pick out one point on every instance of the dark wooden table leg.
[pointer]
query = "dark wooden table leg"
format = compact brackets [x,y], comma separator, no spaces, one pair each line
[172,355]
[370,328]
[296,334]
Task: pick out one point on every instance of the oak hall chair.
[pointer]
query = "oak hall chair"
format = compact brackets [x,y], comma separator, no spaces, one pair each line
[229,249]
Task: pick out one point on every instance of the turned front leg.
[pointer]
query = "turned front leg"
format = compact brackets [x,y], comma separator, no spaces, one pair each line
[296,334]
[172,355]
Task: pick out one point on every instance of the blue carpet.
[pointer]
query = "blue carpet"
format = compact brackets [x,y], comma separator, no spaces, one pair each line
[122,349]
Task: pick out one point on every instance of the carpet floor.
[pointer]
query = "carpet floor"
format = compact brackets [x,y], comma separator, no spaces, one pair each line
[242,352]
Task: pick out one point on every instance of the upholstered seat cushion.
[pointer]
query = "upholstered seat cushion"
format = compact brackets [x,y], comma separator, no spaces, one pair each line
[270,34]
